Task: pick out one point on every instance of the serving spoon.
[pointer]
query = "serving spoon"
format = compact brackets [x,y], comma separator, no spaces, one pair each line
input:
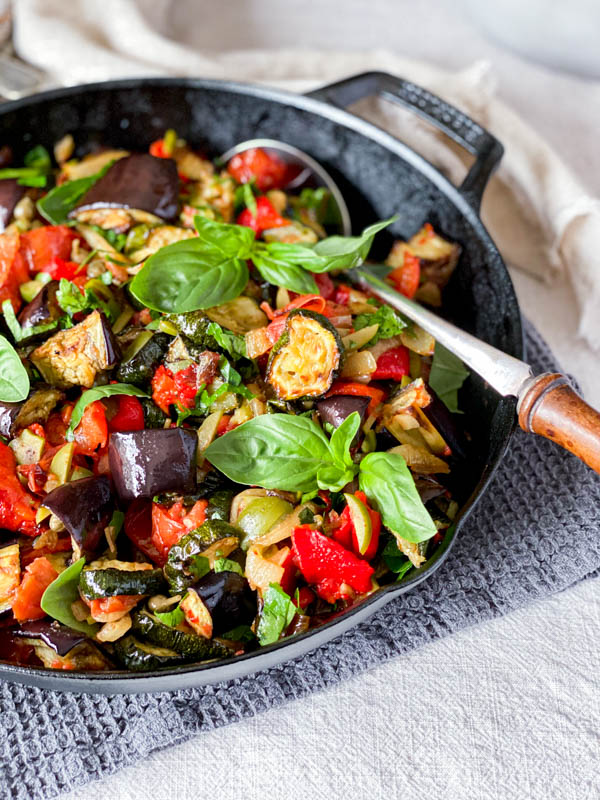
[547,404]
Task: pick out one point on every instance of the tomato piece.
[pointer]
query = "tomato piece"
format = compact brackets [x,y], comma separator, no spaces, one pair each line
[406,277]
[170,524]
[41,246]
[164,390]
[92,431]
[38,576]
[342,295]
[266,217]
[138,528]
[269,171]
[129,416]
[325,285]
[118,603]
[288,579]
[59,268]
[13,269]
[157,149]
[304,599]
[359,390]
[17,506]
[392,365]
[223,424]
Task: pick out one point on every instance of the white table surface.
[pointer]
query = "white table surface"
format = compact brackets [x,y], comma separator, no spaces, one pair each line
[510,708]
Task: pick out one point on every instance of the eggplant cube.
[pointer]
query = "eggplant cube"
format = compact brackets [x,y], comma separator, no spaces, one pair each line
[148,462]
[75,356]
[335,410]
[10,194]
[84,508]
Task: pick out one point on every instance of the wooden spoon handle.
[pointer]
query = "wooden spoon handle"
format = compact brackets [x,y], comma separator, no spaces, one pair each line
[550,407]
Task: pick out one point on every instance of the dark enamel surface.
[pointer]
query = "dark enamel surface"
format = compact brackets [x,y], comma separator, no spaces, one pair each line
[139,181]
[378,176]
[146,463]
[83,508]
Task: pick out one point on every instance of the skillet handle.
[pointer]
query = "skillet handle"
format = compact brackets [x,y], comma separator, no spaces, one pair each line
[550,407]
[458,126]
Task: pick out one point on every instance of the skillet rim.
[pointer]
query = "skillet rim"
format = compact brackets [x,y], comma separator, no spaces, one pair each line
[192,675]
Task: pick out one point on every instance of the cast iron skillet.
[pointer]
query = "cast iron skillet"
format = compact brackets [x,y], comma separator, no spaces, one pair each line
[379,176]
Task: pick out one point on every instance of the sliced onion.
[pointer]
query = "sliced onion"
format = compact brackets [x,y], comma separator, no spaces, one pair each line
[359,366]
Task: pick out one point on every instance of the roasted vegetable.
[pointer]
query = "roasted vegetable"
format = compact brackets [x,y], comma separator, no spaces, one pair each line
[240,315]
[142,357]
[197,543]
[140,657]
[189,645]
[109,578]
[154,417]
[75,356]
[10,194]
[36,408]
[145,463]
[306,358]
[260,516]
[219,506]
[42,309]
[84,508]
[335,410]
[10,575]
[139,182]
[228,598]
[60,638]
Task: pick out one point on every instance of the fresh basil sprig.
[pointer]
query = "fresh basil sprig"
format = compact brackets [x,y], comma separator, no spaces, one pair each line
[97,393]
[35,172]
[447,376]
[211,270]
[18,333]
[277,613]
[14,380]
[60,596]
[60,201]
[291,453]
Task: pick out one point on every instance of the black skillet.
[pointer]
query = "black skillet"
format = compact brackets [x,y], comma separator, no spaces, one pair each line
[379,176]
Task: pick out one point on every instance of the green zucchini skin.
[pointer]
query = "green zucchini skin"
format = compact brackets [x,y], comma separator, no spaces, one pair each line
[219,506]
[189,645]
[193,325]
[154,417]
[190,545]
[138,370]
[94,583]
[142,657]
[329,372]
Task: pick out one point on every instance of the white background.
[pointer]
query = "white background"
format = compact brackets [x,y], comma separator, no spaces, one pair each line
[508,709]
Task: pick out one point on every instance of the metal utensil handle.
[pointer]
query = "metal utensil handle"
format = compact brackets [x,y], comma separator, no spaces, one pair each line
[454,123]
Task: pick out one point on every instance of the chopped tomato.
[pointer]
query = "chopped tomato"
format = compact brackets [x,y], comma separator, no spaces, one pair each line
[138,528]
[342,295]
[223,424]
[41,246]
[157,149]
[164,389]
[288,579]
[326,285]
[360,390]
[117,604]
[56,429]
[92,431]
[129,416]
[17,506]
[170,524]
[35,475]
[180,388]
[406,277]
[59,268]
[13,269]
[269,171]
[266,217]
[392,365]
[38,576]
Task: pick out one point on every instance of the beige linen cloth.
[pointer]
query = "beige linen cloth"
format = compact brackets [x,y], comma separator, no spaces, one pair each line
[535,208]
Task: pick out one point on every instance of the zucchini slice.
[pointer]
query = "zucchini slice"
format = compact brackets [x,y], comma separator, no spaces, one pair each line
[139,656]
[111,578]
[189,645]
[214,533]
[142,357]
[306,359]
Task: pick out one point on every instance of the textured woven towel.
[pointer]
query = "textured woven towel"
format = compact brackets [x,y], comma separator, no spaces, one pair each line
[535,532]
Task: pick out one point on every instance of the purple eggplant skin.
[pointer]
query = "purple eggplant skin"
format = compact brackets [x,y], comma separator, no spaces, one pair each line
[229,599]
[10,194]
[336,409]
[442,419]
[113,351]
[43,308]
[139,181]
[84,508]
[60,638]
[8,414]
[148,462]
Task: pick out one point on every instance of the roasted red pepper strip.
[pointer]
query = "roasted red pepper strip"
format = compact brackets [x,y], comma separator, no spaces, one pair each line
[406,278]
[17,506]
[266,217]
[13,269]
[41,246]
[392,365]
[268,171]
[92,431]
[360,390]
[129,416]
[38,576]
[326,565]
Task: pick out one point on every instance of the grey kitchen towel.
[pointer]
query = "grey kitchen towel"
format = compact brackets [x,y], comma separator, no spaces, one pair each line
[534,533]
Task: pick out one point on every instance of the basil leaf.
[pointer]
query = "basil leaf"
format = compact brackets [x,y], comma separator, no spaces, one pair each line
[234,241]
[18,333]
[61,594]
[447,376]
[346,252]
[277,613]
[242,633]
[395,559]
[97,393]
[389,485]
[334,477]
[231,342]
[227,565]
[342,438]
[300,254]
[70,299]
[390,324]
[189,275]
[26,176]
[275,451]
[14,380]
[38,157]
[280,273]
[170,618]
[60,201]
[199,566]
